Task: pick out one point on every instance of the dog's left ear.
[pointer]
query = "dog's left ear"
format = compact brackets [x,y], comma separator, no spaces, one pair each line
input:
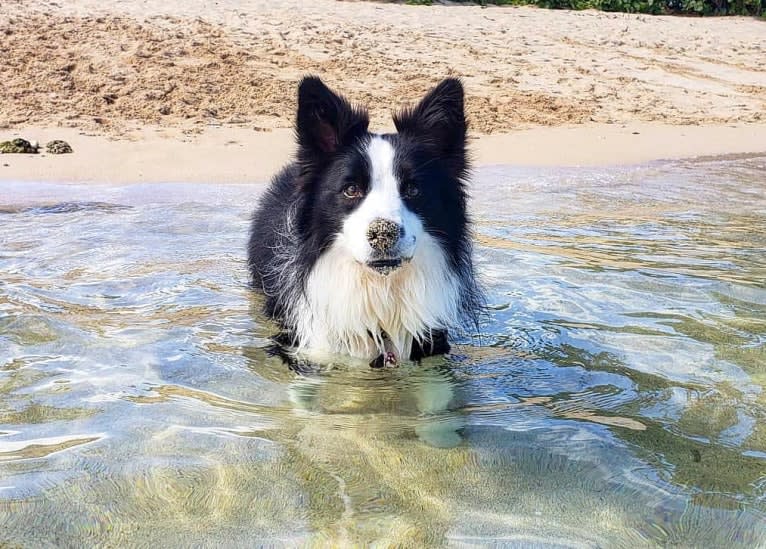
[439,121]
[326,122]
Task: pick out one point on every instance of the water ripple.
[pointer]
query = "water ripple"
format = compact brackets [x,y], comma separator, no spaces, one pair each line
[614,398]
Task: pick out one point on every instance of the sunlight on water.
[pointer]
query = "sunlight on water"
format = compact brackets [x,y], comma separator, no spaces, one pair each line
[615,396]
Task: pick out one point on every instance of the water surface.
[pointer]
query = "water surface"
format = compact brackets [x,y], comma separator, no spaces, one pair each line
[615,396]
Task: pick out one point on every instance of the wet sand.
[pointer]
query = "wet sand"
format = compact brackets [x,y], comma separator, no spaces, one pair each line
[238,155]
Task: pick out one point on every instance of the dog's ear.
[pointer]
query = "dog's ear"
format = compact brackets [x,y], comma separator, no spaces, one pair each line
[439,121]
[325,123]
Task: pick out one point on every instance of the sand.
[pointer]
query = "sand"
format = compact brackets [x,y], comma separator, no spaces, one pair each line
[177,90]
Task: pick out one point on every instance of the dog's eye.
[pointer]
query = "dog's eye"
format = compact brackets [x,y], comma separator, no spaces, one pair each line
[411,190]
[352,191]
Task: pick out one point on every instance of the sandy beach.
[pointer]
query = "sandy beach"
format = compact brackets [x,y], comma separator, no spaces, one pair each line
[181,91]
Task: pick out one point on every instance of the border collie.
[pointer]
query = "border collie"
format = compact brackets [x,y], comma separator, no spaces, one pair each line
[362,246]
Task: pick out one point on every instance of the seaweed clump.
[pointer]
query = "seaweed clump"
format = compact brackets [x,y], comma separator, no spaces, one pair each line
[19,146]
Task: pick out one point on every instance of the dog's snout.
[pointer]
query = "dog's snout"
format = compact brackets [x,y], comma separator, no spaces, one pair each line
[383,234]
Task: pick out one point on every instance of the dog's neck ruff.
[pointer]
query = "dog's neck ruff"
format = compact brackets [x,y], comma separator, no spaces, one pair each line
[346,307]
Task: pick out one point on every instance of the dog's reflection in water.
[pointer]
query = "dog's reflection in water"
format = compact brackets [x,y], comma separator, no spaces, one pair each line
[413,398]
[377,453]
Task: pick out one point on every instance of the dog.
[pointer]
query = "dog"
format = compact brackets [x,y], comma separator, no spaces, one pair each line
[362,245]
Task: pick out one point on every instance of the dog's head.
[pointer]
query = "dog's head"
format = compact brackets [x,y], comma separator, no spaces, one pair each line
[376,196]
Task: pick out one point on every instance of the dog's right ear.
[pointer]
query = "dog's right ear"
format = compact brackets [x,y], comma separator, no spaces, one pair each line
[326,122]
[439,121]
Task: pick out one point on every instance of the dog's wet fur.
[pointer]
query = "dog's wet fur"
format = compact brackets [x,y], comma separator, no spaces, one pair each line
[362,245]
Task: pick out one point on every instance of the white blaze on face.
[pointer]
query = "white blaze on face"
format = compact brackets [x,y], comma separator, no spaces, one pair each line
[347,306]
[383,200]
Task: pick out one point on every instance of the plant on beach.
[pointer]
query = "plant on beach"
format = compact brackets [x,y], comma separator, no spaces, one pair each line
[654,7]
[631,6]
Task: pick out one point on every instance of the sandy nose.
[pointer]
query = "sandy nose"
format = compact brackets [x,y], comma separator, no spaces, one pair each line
[383,234]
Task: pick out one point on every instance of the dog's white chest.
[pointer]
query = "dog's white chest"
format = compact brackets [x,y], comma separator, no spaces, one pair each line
[346,307]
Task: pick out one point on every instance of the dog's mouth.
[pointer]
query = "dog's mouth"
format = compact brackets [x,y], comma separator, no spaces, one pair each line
[388,265]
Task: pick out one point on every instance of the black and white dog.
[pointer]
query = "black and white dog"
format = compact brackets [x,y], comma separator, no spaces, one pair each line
[362,246]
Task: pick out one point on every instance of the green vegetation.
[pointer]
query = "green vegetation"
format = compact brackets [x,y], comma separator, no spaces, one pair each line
[654,7]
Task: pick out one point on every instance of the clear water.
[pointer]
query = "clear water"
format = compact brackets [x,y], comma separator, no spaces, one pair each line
[616,397]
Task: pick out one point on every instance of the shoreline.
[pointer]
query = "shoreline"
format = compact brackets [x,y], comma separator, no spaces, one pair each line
[226,155]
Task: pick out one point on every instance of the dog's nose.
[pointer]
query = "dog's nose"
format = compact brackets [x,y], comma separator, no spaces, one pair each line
[383,235]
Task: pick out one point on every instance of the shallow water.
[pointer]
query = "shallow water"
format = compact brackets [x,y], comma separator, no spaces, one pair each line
[615,396]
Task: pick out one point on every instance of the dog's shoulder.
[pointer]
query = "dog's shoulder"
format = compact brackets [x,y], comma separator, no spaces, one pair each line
[275,202]
[284,184]
[270,220]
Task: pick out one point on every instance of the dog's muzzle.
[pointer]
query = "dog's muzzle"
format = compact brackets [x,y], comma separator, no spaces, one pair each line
[384,236]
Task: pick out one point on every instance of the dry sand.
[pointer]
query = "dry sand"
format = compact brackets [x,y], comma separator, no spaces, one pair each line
[177,90]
